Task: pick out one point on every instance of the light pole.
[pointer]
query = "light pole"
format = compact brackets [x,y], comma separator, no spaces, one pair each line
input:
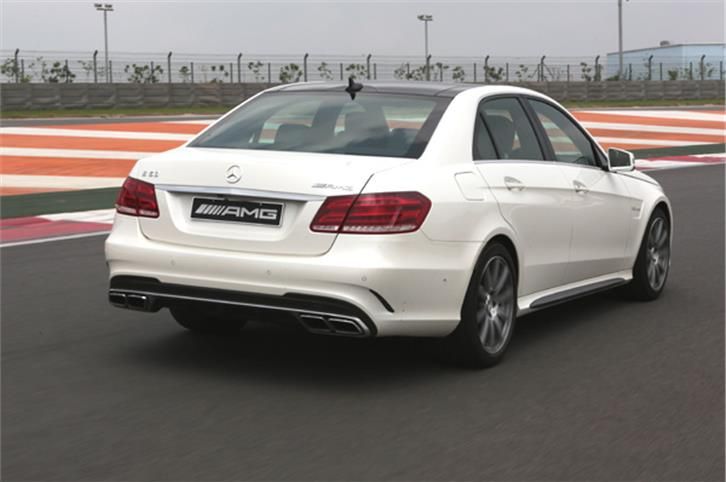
[426,18]
[105,8]
[620,39]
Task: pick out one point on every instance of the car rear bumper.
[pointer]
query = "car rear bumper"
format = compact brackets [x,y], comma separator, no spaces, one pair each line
[387,285]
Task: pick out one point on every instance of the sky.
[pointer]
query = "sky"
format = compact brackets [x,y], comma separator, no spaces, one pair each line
[467,29]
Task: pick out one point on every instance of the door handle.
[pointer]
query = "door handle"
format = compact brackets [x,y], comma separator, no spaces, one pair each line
[580,188]
[513,184]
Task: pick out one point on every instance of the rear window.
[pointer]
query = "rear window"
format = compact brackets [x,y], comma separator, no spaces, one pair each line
[372,124]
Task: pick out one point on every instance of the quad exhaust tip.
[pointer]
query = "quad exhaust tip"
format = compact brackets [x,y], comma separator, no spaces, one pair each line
[318,323]
[132,301]
[333,325]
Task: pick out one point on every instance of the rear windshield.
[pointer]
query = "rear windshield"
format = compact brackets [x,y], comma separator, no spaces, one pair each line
[372,124]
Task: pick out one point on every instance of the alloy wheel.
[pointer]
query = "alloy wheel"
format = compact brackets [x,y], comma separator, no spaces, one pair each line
[495,307]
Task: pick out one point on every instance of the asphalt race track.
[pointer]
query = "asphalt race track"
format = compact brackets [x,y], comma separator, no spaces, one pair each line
[600,389]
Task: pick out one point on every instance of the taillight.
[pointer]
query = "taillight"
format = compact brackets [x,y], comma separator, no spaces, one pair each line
[381,213]
[137,198]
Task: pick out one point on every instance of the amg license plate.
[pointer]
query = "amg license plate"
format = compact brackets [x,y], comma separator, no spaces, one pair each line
[250,212]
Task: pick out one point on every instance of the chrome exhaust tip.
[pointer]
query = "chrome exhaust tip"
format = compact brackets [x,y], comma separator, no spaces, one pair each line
[132,301]
[333,325]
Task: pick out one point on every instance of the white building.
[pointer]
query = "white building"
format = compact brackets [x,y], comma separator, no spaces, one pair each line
[670,62]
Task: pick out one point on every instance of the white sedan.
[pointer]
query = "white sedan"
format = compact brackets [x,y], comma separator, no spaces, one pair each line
[387,209]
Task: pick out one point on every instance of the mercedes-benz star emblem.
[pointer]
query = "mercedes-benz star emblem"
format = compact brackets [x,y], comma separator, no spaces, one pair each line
[234,174]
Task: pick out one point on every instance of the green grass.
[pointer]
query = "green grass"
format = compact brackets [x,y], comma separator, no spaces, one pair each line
[57,202]
[112,112]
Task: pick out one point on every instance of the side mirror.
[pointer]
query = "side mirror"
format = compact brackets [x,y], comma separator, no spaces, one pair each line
[620,160]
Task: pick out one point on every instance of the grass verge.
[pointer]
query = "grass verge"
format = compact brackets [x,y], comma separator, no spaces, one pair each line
[56,202]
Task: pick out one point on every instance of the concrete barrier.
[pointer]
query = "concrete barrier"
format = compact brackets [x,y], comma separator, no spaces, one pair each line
[79,95]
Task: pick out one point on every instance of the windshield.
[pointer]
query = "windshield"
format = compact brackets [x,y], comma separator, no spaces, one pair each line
[372,124]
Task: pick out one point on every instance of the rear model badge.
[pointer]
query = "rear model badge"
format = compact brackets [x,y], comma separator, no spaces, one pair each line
[234,174]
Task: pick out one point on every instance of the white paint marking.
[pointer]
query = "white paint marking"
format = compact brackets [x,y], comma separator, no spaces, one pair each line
[59,182]
[103,216]
[49,240]
[646,142]
[71,153]
[53,132]
[650,128]
[666,114]
[205,122]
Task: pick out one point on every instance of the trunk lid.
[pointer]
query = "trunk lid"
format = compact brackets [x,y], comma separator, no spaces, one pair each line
[291,184]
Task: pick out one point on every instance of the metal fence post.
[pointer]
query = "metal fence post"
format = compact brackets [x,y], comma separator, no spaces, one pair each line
[475,72]
[15,66]
[368,67]
[269,73]
[67,72]
[661,70]
[541,68]
[152,70]
[597,69]
[630,71]
[22,68]
[650,67]
[239,68]
[375,71]
[690,70]
[486,69]
[305,67]
[720,67]
[191,67]
[95,67]
[168,66]
[110,72]
[428,67]
[341,71]
[408,69]
[568,72]
[703,67]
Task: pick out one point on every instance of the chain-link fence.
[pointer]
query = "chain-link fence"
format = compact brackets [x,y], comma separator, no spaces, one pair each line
[125,67]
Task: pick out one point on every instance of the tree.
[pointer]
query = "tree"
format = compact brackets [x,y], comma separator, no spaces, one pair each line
[404,72]
[523,74]
[12,71]
[185,73]
[256,69]
[290,73]
[58,73]
[143,74]
[357,71]
[586,72]
[220,69]
[325,72]
[438,70]
[493,74]
[458,74]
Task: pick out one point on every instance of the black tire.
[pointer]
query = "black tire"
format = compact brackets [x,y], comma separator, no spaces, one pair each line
[208,320]
[642,287]
[467,345]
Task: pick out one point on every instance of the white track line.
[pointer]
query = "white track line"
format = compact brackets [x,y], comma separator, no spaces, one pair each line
[71,153]
[57,238]
[59,182]
[53,132]
[647,142]
[103,216]
[650,128]
[715,116]
[204,122]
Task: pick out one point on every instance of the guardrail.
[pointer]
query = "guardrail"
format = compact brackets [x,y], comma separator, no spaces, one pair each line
[69,96]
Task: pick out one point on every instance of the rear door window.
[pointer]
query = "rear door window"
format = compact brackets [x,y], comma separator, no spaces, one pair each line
[510,129]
